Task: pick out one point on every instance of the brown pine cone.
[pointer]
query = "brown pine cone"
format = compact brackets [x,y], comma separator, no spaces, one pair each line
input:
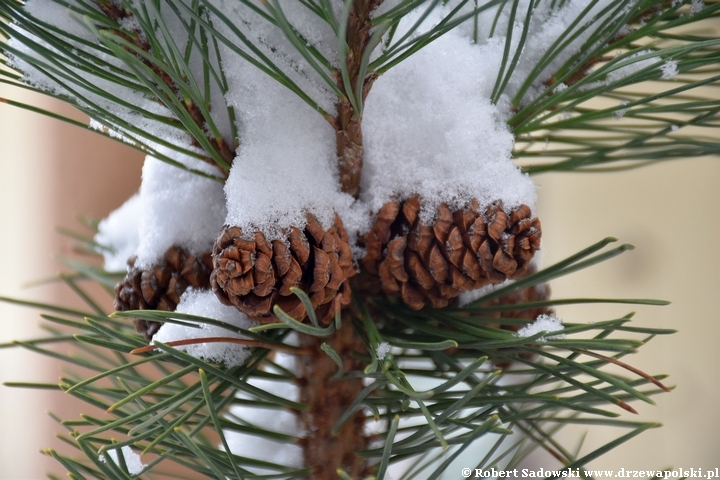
[160,287]
[462,251]
[254,274]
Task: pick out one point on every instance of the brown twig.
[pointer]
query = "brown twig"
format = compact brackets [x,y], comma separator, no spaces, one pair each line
[348,123]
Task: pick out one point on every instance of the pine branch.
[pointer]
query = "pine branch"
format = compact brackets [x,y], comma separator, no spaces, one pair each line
[460,406]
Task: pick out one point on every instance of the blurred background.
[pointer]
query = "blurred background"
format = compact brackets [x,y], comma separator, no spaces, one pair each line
[51,173]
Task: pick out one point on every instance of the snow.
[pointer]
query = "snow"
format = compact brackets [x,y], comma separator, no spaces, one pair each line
[271,41]
[122,105]
[547,25]
[629,65]
[177,208]
[118,234]
[55,13]
[173,207]
[96,125]
[434,132]
[204,303]
[286,166]
[287,163]
[132,459]
[382,350]
[619,113]
[696,6]
[435,129]
[559,88]
[547,323]
[468,297]
[273,419]
[634,63]
[669,70]
[131,24]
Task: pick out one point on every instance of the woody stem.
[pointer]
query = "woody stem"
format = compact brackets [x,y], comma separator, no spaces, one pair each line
[348,123]
[327,399]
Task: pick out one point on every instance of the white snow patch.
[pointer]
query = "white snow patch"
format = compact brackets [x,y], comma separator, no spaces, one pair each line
[382,350]
[669,70]
[132,459]
[559,88]
[131,24]
[204,303]
[178,208]
[636,65]
[470,296]
[55,13]
[113,133]
[547,25]
[135,113]
[619,113]
[118,234]
[696,6]
[287,164]
[625,30]
[543,323]
[273,419]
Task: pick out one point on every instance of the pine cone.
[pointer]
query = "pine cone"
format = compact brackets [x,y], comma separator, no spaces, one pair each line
[462,251]
[161,286]
[254,274]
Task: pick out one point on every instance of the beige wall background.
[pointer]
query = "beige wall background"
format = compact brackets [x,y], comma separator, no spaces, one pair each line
[51,172]
[668,212]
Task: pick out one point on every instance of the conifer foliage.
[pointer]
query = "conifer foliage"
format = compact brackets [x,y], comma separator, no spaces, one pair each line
[331,252]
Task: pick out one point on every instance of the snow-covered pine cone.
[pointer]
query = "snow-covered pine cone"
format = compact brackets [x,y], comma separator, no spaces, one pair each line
[255,275]
[161,286]
[463,250]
